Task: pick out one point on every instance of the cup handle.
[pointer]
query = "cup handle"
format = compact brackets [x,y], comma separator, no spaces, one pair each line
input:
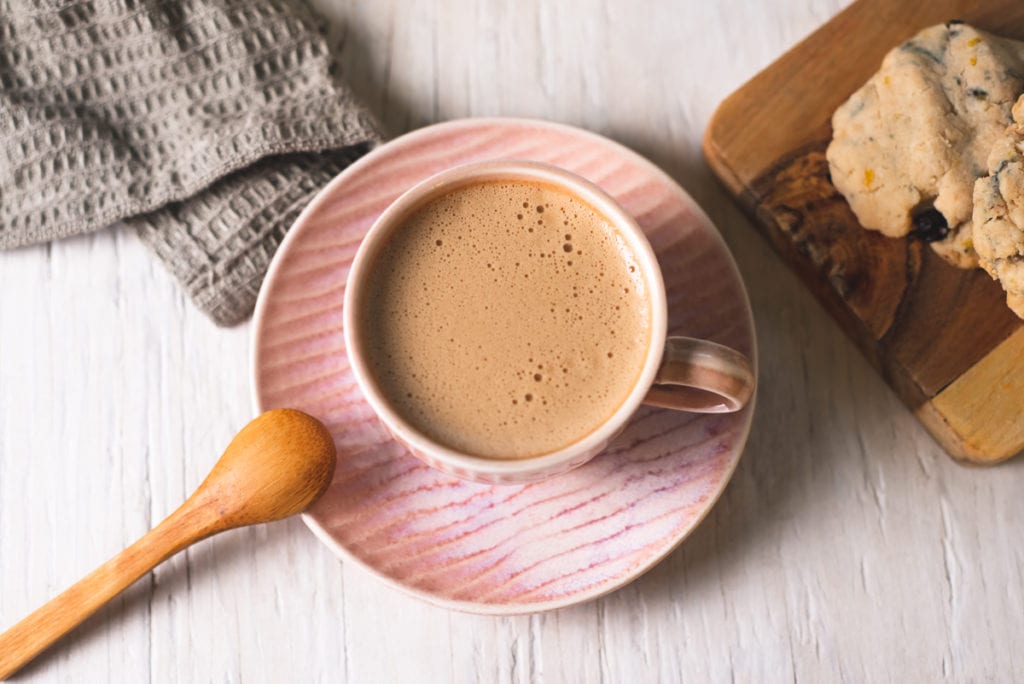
[701,377]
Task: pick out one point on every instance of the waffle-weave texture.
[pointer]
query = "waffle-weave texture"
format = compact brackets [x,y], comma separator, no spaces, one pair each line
[205,124]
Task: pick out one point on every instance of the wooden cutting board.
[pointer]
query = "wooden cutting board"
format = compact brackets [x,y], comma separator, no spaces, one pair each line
[943,338]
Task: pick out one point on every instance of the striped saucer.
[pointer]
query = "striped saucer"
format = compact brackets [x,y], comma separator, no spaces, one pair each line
[500,549]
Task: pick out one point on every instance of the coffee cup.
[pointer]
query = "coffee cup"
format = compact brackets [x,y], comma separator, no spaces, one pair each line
[489,375]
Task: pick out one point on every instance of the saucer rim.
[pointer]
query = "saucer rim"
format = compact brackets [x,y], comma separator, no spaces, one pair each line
[509,608]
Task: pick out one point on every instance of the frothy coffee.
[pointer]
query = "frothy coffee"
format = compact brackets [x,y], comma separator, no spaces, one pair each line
[506,319]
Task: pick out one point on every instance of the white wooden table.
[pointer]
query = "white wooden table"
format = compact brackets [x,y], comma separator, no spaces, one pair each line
[847,547]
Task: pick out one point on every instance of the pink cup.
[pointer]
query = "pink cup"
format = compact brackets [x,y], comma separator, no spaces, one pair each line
[678,372]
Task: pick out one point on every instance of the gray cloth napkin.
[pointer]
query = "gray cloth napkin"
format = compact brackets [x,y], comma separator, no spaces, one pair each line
[206,125]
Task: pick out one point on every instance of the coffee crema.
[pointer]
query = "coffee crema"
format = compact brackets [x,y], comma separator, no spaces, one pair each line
[506,319]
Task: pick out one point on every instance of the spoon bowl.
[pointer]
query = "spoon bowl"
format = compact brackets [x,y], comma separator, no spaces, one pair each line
[274,468]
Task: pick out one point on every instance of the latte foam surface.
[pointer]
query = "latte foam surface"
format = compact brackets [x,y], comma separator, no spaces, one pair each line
[506,319]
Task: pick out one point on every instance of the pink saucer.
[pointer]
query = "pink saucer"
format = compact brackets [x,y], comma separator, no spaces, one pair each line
[500,549]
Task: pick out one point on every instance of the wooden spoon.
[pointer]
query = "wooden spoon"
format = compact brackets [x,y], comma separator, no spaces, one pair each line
[275,467]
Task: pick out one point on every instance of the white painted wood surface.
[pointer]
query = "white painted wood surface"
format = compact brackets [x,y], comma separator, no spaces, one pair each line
[847,548]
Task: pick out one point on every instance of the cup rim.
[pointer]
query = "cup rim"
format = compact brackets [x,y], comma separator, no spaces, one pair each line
[504,169]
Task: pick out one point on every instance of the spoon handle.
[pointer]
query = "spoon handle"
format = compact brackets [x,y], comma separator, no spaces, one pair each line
[38,631]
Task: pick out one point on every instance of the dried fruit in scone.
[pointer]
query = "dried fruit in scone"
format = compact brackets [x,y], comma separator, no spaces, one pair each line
[999,212]
[908,146]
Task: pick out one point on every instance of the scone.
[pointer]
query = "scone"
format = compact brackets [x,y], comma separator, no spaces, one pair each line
[908,146]
[999,212]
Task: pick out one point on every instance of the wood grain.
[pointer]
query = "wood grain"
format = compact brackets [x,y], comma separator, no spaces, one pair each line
[986,429]
[921,322]
[846,547]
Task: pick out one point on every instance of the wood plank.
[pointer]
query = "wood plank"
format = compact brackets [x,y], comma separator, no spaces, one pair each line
[922,323]
[983,408]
